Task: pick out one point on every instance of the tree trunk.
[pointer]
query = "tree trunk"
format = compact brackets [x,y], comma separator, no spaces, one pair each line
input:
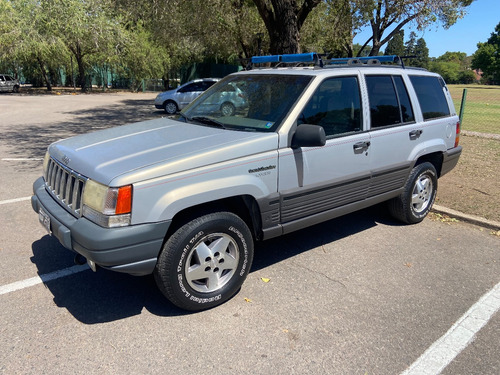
[44,74]
[283,20]
[77,52]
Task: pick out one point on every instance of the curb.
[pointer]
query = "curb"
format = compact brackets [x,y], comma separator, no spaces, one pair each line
[477,220]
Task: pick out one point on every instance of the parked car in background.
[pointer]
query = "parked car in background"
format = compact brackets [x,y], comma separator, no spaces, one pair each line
[172,101]
[227,100]
[8,83]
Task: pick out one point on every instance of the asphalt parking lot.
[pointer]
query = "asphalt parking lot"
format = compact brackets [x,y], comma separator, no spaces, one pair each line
[360,294]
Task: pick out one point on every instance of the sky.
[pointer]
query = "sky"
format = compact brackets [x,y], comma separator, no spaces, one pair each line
[477,25]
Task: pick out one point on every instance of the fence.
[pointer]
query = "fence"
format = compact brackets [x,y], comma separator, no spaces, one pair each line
[481,112]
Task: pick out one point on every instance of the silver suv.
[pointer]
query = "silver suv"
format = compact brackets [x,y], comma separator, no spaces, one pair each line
[8,84]
[186,199]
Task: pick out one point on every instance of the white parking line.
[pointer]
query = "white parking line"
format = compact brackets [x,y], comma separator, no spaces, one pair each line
[15,200]
[4,289]
[22,159]
[459,336]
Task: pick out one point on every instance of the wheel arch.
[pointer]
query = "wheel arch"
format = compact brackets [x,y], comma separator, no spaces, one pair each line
[244,206]
[435,158]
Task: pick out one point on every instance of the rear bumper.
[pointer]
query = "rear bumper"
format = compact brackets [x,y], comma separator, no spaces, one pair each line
[132,249]
[450,159]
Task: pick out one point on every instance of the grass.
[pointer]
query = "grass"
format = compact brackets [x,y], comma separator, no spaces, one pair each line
[482,107]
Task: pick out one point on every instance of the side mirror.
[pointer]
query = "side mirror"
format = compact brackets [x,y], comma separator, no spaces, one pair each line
[309,136]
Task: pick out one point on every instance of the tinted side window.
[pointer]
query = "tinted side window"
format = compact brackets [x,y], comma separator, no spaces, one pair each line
[404,100]
[430,96]
[335,106]
[384,107]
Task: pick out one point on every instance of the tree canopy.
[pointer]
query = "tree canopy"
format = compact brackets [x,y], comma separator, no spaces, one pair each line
[43,40]
[487,56]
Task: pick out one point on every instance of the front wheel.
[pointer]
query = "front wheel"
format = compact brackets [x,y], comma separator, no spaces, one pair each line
[418,196]
[227,109]
[205,262]
[170,107]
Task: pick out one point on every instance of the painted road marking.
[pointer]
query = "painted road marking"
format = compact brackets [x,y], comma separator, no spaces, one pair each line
[22,159]
[459,336]
[15,200]
[18,285]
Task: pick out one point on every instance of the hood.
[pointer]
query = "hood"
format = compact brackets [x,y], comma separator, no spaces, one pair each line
[144,150]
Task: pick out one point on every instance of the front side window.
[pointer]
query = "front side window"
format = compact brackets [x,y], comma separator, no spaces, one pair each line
[335,106]
[430,96]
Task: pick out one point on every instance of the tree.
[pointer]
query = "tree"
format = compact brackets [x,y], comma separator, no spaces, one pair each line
[30,42]
[283,20]
[87,29]
[393,15]
[396,45]
[487,56]
[422,54]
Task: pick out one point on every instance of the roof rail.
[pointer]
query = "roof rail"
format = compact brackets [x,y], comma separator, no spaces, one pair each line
[369,60]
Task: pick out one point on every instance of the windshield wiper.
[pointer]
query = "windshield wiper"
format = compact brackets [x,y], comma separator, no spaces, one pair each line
[208,121]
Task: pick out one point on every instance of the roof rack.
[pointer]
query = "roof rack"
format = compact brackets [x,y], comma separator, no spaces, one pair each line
[317,60]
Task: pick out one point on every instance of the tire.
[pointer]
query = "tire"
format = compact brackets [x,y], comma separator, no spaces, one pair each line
[170,107]
[205,262]
[15,89]
[227,109]
[418,196]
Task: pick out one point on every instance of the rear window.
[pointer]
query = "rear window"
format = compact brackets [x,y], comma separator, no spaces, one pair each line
[430,96]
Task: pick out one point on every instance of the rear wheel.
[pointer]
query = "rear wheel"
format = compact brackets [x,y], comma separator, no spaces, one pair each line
[204,263]
[418,196]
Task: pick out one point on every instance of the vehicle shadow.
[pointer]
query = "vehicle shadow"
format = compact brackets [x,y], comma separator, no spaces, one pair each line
[31,141]
[107,296]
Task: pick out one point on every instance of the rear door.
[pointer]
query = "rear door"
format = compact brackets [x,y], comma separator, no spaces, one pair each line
[394,133]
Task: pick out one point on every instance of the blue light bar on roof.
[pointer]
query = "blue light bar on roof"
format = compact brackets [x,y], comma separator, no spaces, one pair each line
[298,57]
[265,59]
[290,58]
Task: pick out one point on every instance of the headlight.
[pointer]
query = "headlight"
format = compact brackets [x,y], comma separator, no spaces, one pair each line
[46,160]
[106,206]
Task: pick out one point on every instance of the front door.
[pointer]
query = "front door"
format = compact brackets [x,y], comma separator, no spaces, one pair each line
[315,182]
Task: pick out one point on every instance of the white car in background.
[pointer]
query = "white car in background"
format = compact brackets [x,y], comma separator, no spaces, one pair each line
[172,101]
[8,84]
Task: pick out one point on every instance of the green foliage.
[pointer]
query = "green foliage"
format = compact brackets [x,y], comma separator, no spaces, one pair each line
[487,57]
[396,45]
[454,67]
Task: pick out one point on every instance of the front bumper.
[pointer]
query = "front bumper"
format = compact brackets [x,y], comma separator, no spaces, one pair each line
[133,249]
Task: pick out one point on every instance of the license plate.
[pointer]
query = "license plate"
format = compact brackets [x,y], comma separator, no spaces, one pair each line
[44,220]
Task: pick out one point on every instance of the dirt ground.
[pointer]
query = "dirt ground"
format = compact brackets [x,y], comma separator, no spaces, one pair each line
[473,187]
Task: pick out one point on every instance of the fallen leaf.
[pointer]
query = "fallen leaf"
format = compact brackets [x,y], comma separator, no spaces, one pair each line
[265,279]
[248,300]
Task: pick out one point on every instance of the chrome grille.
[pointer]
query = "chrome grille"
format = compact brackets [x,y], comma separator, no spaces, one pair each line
[65,185]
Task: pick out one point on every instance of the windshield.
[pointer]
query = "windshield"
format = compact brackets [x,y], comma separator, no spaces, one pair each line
[248,102]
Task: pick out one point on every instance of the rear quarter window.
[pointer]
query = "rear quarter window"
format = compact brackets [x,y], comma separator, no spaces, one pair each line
[430,96]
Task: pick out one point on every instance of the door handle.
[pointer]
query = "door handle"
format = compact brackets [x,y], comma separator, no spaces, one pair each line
[415,134]
[360,147]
